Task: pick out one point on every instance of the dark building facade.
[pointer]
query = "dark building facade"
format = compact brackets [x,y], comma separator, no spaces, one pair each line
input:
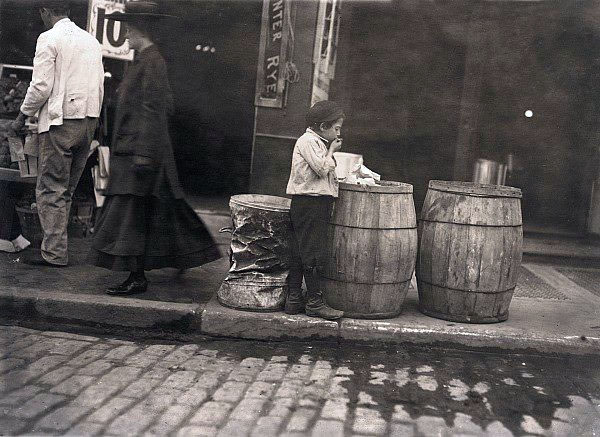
[430,87]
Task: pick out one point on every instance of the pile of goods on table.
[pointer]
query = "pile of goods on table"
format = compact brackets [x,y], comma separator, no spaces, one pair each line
[12,93]
[5,132]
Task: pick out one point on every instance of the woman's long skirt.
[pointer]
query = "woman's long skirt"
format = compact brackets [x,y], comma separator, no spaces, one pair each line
[10,193]
[134,233]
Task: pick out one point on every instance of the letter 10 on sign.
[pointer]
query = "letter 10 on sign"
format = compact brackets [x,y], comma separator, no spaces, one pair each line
[111,34]
[110,30]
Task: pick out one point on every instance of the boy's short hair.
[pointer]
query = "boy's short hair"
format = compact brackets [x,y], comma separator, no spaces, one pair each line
[58,7]
[325,111]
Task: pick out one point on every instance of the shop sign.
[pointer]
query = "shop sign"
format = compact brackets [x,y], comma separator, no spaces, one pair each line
[111,34]
[272,58]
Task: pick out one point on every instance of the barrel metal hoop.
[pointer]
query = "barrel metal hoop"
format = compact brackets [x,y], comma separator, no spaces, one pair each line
[368,283]
[382,187]
[489,196]
[471,224]
[466,291]
[368,229]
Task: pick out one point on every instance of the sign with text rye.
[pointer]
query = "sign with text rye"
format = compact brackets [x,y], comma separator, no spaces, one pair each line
[110,34]
[270,82]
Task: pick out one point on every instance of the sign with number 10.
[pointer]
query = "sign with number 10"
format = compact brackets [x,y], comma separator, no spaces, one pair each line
[110,34]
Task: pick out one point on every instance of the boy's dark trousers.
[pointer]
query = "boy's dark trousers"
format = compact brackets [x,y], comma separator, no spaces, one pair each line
[309,216]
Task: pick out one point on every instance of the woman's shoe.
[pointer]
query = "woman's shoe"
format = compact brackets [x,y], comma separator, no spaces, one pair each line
[128,287]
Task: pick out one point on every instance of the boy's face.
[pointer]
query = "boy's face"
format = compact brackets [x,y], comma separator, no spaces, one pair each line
[333,132]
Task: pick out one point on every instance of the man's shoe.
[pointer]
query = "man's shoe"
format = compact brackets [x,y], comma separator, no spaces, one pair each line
[128,287]
[21,243]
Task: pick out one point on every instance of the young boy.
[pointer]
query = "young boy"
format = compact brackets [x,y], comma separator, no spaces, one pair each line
[313,187]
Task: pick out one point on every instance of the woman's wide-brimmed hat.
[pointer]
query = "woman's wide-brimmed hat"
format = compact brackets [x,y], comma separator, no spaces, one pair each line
[139,10]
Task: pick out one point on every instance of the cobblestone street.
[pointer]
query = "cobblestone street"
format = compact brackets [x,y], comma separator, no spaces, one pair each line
[59,383]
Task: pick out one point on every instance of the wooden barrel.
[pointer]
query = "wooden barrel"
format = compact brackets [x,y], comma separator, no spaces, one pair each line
[470,249]
[260,253]
[372,247]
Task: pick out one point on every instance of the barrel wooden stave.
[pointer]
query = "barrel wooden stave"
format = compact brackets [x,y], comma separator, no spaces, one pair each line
[470,252]
[366,301]
[372,247]
[371,256]
[472,210]
[464,306]
[482,259]
[372,210]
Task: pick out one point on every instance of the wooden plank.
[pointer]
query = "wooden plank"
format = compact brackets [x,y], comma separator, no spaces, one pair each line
[426,235]
[476,240]
[471,210]
[8,174]
[371,255]
[492,259]
[363,209]
[376,301]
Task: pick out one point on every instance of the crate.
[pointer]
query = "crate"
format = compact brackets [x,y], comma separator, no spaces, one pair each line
[28,168]
[9,174]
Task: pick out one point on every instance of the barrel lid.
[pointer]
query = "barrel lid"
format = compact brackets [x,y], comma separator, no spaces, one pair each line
[475,189]
[261,201]
[389,187]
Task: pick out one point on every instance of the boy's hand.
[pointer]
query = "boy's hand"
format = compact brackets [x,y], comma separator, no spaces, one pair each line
[336,145]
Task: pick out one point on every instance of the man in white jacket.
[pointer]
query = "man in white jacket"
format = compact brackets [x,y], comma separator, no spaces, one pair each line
[67,88]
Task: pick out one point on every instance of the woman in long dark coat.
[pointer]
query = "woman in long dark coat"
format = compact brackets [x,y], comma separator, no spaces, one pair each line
[145,223]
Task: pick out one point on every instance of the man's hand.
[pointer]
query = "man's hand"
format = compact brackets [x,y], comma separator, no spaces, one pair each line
[19,122]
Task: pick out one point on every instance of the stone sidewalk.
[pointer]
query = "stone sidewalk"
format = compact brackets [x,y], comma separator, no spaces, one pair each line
[555,308]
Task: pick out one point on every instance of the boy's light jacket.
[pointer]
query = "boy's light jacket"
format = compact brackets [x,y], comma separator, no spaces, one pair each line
[313,173]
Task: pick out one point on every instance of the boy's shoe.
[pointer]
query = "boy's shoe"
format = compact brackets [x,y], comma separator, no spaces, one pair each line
[293,308]
[316,307]
[294,302]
